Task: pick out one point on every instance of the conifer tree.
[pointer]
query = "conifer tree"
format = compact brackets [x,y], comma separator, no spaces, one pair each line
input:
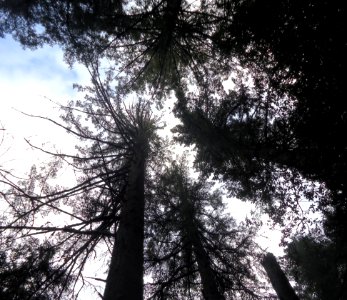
[193,248]
[106,206]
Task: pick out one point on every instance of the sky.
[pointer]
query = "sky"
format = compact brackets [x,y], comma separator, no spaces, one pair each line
[30,83]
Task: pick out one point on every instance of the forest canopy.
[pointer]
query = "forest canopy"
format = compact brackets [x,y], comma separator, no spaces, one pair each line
[258,89]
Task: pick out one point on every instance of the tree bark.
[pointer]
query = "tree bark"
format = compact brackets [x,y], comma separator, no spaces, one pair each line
[210,290]
[278,279]
[125,276]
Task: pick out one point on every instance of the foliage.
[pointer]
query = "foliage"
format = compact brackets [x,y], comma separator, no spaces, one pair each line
[318,267]
[80,221]
[271,131]
[152,43]
[27,272]
[238,138]
[275,139]
[300,45]
[186,224]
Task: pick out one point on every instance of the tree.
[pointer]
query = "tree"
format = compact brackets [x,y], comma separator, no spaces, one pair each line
[300,46]
[125,277]
[273,129]
[106,206]
[295,87]
[154,43]
[26,272]
[194,250]
[268,141]
[278,278]
[318,267]
[237,139]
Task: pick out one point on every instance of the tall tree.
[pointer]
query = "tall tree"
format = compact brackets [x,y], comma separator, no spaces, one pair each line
[238,139]
[193,248]
[295,60]
[278,278]
[154,42]
[125,277]
[106,206]
[301,49]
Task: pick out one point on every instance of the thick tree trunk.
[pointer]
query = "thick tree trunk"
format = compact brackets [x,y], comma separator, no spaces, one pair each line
[125,276]
[210,289]
[278,279]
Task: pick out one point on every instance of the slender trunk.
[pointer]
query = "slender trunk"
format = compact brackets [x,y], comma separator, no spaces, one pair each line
[208,279]
[125,276]
[278,279]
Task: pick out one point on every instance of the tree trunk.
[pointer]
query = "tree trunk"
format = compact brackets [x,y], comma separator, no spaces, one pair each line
[278,279]
[125,276]
[208,279]
[210,290]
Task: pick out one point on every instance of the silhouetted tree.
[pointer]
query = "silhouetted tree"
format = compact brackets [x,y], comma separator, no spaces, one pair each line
[318,267]
[152,42]
[278,278]
[106,206]
[274,142]
[238,138]
[193,248]
[27,272]
[300,45]
[295,61]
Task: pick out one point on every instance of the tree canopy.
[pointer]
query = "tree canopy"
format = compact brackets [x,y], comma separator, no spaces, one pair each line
[194,248]
[24,270]
[318,267]
[115,135]
[259,92]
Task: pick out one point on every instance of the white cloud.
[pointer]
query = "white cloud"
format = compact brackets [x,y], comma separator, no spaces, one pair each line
[27,80]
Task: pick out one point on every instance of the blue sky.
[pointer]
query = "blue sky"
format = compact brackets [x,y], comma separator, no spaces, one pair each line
[27,79]
[46,63]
